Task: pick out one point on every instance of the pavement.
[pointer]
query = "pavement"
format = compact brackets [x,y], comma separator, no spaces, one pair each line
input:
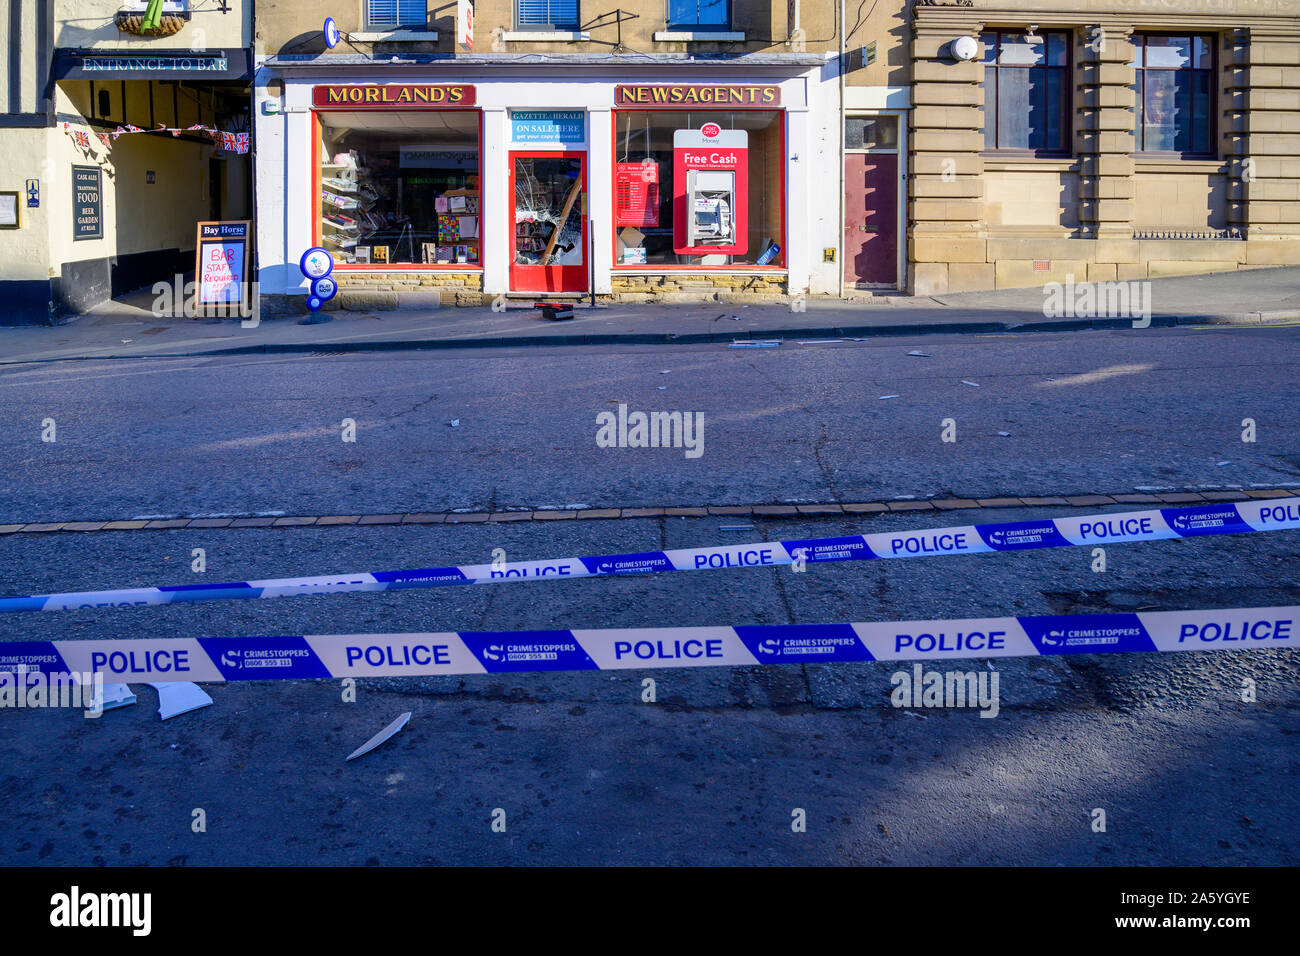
[130,327]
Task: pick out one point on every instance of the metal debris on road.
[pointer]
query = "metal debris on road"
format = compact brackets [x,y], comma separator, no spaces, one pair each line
[754,344]
[455,423]
[883,397]
[380,737]
[971,384]
[920,354]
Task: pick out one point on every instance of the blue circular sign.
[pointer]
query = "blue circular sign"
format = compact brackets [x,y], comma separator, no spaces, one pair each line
[325,288]
[331,33]
[316,263]
[314,303]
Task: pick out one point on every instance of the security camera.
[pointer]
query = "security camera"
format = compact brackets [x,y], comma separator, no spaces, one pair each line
[965,48]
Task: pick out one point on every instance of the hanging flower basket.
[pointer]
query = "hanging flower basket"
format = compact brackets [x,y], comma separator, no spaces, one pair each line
[132,22]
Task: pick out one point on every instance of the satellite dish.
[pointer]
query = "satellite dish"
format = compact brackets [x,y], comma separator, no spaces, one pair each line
[331,31]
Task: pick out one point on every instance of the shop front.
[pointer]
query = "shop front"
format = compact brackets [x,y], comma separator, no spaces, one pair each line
[507,184]
[398,173]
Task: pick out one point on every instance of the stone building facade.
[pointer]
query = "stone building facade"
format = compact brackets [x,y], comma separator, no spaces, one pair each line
[108,136]
[1178,147]
[665,152]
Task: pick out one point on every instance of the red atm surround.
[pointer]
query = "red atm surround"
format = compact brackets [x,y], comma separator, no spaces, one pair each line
[710,149]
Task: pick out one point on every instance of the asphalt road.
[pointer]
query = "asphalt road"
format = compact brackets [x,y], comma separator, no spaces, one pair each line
[708,773]
[1083,412]
[712,770]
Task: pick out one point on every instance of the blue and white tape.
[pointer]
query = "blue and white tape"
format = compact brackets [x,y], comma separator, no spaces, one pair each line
[1086,530]
[217,659]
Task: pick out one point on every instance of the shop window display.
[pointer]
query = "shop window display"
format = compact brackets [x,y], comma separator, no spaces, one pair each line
[401,188]
[649,200]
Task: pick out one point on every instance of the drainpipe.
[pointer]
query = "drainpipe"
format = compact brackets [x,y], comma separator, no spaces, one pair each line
[840,239]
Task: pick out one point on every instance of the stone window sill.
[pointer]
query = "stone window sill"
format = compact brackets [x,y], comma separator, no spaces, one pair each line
[699,36]
[546,36]
[396,36]
[1026,164]
[1172,164]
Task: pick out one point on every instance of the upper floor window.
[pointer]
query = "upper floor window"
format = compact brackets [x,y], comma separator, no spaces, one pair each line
[1027,91]
[547,14]
[396,13]
[1175,93]
[691,14]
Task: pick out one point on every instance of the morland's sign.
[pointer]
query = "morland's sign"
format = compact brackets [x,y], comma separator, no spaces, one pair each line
[405,96]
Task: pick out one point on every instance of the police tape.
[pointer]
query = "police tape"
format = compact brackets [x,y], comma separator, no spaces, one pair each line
[1090,530]
[219,659]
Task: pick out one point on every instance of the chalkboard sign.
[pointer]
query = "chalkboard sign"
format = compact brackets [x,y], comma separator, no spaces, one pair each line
[87,203]
[221,255]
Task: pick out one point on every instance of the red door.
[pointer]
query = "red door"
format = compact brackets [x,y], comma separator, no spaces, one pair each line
[871,218]
[548,233]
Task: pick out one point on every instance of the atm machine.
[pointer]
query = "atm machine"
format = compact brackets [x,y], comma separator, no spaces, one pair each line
[710,182]
[712,195]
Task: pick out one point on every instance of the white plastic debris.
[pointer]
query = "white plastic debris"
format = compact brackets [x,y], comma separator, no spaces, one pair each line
[920,354]
[380,737]
[177,699]
[117,695]
[1005,434]
[971,384]
[455,423]
[883,397]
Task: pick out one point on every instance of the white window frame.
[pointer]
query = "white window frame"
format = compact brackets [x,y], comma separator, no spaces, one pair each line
[549,29]
[397,25]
